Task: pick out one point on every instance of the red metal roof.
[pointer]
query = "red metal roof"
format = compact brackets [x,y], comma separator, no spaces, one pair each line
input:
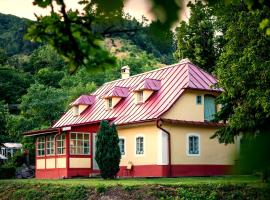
[149,84]
[173,79]
[117,92]
[84,100]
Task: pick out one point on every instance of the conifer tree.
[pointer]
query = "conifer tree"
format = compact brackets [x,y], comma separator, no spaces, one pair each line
[107,150]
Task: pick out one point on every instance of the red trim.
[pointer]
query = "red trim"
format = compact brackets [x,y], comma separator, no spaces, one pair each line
[194,123]
[176,170]
[51,173]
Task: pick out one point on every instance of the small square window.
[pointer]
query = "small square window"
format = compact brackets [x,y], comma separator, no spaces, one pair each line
[199,100]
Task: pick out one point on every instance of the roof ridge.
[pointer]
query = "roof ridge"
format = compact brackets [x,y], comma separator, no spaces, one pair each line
[166,67]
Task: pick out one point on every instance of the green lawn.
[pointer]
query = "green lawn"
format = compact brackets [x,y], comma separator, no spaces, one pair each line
[250,180]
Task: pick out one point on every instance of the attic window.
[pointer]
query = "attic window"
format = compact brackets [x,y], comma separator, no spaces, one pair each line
[76,110]
[140,97]
[110,103]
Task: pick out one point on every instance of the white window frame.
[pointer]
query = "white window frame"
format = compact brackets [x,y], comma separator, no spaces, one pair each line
[137,136]
[187,144]
[125,149]
[75,110]
[50,148]
[140,98]
[76,141]
[197,96]
[63,147]
[110,103]
[41,149]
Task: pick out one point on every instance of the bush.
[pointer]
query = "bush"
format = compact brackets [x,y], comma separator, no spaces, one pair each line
[108,153]
[7,172]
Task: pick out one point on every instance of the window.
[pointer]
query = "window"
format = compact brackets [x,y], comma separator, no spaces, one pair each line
[110,103]
[139,145]
[193,145]
[122,146]
[61,144]
[199,100]
[75,110]
[41,146]
[50,145]
[79,144]
[140,96]
[209,107]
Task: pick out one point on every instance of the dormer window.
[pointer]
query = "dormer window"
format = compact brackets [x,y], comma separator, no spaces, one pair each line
[114,96]
[145,89]
[80,104]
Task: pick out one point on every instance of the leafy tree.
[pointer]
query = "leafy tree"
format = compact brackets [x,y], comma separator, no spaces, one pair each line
[244,74]
[12,30]
[13,85]
[48,76]
[43,104]
[45,56]
[3,122]
[107,150]
[195,39]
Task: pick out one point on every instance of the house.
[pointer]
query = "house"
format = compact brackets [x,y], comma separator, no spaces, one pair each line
[163,119]
[9,149]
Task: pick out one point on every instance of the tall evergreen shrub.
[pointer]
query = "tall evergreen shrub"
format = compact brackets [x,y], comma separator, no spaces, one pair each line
[107,150]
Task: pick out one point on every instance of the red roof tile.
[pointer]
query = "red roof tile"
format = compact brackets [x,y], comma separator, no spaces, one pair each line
[173,79]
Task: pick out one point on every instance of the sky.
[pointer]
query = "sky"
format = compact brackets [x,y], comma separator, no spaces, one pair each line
[25,8]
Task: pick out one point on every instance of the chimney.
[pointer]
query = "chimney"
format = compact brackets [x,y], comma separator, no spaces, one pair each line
[125,72]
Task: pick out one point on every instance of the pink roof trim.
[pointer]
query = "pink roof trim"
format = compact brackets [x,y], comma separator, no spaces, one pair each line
[117,91]
[149,84]
[175,80]
[84,100]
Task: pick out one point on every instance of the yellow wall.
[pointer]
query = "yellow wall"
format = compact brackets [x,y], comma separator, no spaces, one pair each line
[149,131]
[211,152]
[50,163]
[61,162]
[79,162]
[186,107]
[40,164]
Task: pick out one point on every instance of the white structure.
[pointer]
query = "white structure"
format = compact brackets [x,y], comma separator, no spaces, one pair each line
[9,149]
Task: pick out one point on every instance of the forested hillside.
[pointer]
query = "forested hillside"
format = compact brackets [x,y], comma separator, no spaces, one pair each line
[35,86]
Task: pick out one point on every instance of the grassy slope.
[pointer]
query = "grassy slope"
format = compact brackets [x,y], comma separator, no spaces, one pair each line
[92,182]
[208,188]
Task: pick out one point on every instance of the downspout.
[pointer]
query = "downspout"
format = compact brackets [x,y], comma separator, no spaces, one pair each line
[159,125]
[55,149]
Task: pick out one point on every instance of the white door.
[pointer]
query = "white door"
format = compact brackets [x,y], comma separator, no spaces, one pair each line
[95,165]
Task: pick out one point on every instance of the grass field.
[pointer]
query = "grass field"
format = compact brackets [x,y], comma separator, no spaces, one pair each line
[205,188]
[249,180]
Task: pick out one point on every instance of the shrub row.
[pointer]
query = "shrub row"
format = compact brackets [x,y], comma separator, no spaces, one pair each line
[23,191]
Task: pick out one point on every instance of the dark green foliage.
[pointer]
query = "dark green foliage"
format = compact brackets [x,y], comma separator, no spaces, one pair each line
[7,172]
[13,84]
[40,191]
[196,40]
[3,122]
[243,71]
[12,30]
[244,74]
[43,104]
[107,150]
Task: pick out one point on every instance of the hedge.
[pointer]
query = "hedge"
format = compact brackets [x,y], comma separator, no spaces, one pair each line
[23,191]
